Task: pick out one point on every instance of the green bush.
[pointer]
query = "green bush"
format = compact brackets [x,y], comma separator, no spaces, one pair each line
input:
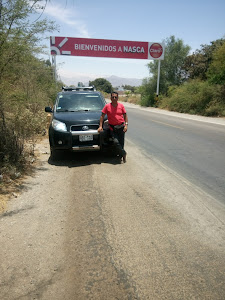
[195,97]
[147,91]
[215,109]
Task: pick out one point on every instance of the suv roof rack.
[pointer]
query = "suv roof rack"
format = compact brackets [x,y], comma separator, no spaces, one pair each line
[80,88]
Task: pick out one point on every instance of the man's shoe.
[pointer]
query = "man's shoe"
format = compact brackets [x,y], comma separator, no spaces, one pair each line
[125,158]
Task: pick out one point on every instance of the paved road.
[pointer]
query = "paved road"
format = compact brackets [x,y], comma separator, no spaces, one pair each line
[194,146]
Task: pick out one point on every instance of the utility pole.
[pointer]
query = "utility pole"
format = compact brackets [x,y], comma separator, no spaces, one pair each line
[158,78]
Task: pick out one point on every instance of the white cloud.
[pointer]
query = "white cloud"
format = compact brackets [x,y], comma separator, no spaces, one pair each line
[67,17]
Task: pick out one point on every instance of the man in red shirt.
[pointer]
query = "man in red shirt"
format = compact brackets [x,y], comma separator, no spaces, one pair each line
[118,121]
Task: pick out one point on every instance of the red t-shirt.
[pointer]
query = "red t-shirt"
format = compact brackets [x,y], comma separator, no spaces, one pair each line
[115,114]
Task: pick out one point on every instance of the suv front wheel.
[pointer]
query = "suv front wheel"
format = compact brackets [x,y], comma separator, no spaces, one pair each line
[53,154]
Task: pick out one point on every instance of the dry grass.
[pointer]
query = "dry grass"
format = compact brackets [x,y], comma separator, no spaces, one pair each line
[131,98]
[12,188]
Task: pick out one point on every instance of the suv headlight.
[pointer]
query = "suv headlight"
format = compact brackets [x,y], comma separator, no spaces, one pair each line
[59,126]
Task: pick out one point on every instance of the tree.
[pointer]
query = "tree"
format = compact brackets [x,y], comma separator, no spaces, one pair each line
[102,84]
[148,91]
[204,90]
[171,72]
[26,82]
[19,36]
[216,70]
[129,87]
[196,65]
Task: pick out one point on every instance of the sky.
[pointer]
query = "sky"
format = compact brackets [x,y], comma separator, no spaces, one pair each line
[196,22]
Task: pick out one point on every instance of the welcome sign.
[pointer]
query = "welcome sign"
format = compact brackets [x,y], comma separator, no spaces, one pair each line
[106,48]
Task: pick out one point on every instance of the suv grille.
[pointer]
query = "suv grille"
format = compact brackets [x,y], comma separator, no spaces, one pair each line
[79,127]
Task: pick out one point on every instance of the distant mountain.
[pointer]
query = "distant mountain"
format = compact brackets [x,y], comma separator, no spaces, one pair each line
[116,81]
[119,81]
[75,78]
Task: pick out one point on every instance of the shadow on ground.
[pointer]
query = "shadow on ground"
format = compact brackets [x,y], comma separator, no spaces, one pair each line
[15,212]
[79,159]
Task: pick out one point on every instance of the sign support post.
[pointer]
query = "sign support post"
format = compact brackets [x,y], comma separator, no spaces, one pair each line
[54,67]
[157,91]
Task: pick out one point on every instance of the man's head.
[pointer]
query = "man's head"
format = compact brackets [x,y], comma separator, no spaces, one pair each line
[114,96]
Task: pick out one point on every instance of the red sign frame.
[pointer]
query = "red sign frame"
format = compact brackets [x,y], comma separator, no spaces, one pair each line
[105,48]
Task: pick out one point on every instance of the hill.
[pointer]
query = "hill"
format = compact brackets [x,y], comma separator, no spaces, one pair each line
[114,80]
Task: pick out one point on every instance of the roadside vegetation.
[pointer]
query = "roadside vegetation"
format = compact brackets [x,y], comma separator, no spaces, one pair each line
[26,85]
[101,84]
[193,84]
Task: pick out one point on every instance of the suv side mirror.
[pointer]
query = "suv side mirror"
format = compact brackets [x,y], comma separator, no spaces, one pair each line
[48,109]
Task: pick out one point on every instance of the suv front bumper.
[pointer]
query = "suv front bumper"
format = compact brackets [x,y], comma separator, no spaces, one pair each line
[71,140]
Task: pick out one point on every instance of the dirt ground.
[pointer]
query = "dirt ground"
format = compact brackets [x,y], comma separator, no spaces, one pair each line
[86,227]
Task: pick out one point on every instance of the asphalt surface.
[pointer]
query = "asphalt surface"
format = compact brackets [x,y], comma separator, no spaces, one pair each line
[193,146]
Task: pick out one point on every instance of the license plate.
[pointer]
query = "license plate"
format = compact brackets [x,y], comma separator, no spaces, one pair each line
[85,137]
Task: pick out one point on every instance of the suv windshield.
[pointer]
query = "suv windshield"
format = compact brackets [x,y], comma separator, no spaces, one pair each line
[79,102]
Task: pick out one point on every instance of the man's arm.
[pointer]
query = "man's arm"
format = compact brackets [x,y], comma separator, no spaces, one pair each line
[126,122]
[101,122]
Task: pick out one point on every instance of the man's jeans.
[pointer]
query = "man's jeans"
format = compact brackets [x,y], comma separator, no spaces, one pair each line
[118,141]
[117,137]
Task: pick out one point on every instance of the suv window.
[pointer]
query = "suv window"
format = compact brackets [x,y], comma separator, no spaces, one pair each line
[79,102]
